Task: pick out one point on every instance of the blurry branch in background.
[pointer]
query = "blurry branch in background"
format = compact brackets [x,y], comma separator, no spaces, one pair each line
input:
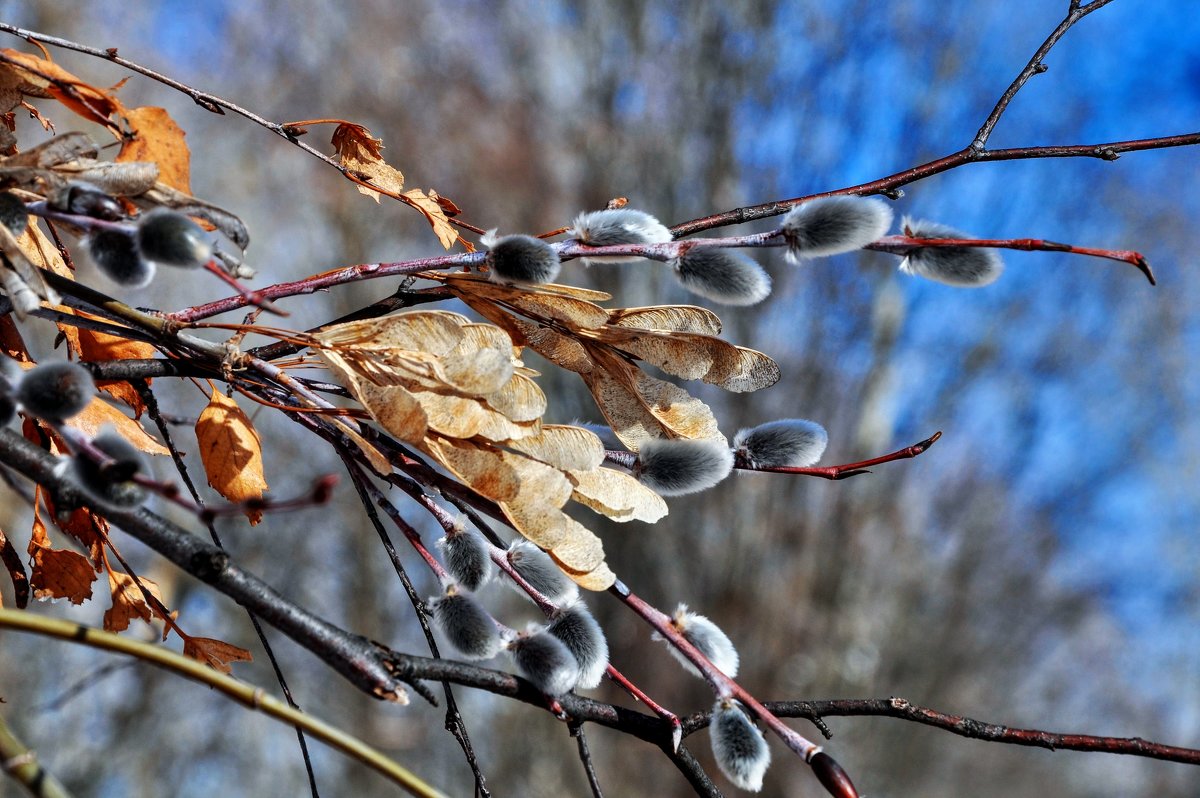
[253,698]
[20,763]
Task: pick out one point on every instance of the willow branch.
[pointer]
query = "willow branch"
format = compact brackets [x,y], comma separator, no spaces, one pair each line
[22,766]
[252,697]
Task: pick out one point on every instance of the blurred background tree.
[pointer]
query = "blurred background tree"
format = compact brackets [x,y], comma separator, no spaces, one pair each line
[1037,568]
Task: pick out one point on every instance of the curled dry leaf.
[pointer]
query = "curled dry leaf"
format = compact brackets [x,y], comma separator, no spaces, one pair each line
[40,77]
[431,209]
[100,413]
[97,346]
[57,573]
[216,654]
[128,602]
[359,151]
[231,452]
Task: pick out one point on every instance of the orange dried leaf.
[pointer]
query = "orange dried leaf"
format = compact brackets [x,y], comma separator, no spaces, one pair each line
[157,139]
[57,573]
[359,151]
[41,77]
[95,346]
[128,602]
[231,452]
[216,654]
[433,213]
[100,413]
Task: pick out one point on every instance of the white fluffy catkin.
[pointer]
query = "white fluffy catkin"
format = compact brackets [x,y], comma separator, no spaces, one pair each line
[115,253]
[520,259]
[619,226]
[466,624]
[707,637]
[468,558]
[738,745]
[833,225]
[582,636]
[172,239]
[681,466]
[544,660]
[965,267]
[722,275]
[112,486]
[536,568]
[786,443]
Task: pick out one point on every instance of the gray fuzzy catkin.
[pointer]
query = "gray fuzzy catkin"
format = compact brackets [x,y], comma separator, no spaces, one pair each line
[785,443]
[520,259]
[56,391]
[738,746]
[12,213]
[466,624]
[618,226]
[536,568]
[722,275]
[833,225]
[545,661]
[706,636]
[678,467]
[112,486]
[172,239]
[582,636]
[468,558]
[115,253]
[965,267]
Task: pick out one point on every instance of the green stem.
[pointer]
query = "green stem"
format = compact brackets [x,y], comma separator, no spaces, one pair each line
[252,697]
[20,763]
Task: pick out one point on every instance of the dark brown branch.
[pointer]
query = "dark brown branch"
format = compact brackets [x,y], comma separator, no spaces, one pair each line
[967,727]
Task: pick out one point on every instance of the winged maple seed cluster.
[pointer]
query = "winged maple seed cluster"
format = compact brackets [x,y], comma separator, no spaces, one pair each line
[459,392]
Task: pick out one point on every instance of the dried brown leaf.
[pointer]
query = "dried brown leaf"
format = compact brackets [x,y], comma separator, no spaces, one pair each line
[97,346]
[100,413]
[216,654]
[359,151]
[128,603]
[41,77]
[157,139]
[431,209]
[231,452]
[57,573]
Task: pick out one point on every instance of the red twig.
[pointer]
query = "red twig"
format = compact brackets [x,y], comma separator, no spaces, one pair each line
[903,244]
[847,470]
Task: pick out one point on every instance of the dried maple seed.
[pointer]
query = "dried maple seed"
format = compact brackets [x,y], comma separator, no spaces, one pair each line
[965,267]
[738,745]
[785,443]
[681,466]
[520,259]
[544,660]
[56,391]
[111,484]
[115,254]
[582,636]
[706,636]
[173,239]
[466,624]
[722,275]
[833,225]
